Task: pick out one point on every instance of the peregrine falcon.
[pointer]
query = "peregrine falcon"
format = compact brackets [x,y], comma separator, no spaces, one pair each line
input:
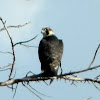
[50,52]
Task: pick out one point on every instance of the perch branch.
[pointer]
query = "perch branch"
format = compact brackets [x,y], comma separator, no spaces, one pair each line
[63,76]
[27,79]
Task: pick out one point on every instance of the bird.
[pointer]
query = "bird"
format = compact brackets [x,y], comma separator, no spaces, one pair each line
[50,53]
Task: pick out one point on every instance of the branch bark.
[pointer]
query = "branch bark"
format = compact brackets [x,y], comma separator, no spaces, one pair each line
[66,76]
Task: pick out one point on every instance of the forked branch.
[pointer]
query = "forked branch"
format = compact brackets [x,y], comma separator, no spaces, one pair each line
[12,46]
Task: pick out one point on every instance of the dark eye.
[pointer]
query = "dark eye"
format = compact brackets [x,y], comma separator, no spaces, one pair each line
[46,30]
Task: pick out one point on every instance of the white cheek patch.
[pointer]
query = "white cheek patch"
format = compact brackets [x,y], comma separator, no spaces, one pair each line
[42,31]
[51,33]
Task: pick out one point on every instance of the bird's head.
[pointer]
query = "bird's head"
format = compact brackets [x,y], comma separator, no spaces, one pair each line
[47,32]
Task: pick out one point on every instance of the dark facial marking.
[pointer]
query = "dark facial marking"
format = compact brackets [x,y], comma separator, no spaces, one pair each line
[47,31]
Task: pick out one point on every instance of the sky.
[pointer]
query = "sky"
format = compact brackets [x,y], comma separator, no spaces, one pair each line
[76,22]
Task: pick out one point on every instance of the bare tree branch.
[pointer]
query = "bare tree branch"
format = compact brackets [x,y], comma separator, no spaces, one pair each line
[71,76]
[29,46]
[37,91]
[66,76]
[6,52]
[81,71]
[25,41]
[94,56]
[15,91]
[17,26]
[32,91]
[12,46]
[31,78]
[95,86]
[82,79]
[5,69]
[5,66]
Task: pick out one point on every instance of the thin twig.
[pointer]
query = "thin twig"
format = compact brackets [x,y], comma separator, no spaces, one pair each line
[17,26]
[11,88]
[81,71]
[38,91]
[72,83]
[6,52]
[12,46]
[15,90]
[95,86]
[5,69]
[29,46]
[97,77]
[32,91]
[14,74]
[5,66]
[94,56]
[25,41]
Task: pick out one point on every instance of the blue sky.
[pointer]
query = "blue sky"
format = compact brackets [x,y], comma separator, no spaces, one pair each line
[76,22]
